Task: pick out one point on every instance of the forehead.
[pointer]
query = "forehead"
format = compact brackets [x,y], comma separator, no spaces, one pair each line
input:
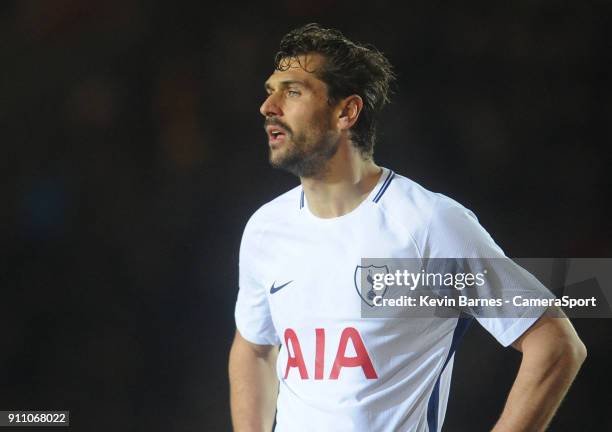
[301,68]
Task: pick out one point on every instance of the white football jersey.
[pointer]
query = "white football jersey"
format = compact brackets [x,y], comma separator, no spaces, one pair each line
[337,370]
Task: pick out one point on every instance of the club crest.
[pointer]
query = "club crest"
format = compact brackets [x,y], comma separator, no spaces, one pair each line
[364,282]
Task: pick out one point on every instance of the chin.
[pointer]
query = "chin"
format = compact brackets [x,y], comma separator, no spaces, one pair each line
[276,159]
[285,163]
[281,156]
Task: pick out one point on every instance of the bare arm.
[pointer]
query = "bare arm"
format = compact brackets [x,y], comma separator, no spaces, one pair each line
[253,385]
[552,356]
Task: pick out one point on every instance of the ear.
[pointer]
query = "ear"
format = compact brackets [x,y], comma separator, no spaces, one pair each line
[350,106]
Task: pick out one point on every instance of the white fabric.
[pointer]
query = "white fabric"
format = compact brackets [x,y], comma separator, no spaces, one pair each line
[284,242]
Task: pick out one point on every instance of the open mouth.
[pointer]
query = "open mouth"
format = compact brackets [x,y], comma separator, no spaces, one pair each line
[276,134]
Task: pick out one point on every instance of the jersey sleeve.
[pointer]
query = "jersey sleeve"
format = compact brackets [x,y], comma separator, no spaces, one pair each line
[252,312]
[455,233]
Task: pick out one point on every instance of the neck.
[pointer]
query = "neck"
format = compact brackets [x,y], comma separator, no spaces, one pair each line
[344,183]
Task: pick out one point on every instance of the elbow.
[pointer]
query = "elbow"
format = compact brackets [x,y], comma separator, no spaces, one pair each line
[554,346]
[572,354]
[578,352]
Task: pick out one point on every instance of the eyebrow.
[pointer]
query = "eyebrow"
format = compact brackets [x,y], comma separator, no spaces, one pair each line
[285,84]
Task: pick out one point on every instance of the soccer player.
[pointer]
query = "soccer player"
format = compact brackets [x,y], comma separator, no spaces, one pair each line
[336,370]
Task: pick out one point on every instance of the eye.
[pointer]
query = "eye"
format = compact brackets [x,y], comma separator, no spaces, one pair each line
[293,93]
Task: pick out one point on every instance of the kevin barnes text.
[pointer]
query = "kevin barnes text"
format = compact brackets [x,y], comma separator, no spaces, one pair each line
[464,301]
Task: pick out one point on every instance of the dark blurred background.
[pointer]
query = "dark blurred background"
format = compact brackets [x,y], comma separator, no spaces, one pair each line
[134,154]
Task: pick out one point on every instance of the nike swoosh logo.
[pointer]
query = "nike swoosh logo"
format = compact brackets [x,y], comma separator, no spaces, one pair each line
[273,289]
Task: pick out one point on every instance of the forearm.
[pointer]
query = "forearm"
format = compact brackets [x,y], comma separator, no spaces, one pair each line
[545,375]
[253,388]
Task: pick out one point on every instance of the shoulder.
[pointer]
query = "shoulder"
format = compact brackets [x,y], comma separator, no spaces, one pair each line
[422,211]
[276,212]
[407,200]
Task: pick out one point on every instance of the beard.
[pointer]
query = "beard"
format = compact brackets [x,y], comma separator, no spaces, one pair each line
[306,154]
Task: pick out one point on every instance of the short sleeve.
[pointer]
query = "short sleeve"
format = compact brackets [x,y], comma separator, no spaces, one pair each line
[252,312]
[454,232]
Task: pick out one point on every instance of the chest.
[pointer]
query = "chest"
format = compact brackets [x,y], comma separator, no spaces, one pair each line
[317,275]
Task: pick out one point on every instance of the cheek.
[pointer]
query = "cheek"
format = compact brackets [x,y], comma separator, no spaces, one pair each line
[306,121]
[323,122]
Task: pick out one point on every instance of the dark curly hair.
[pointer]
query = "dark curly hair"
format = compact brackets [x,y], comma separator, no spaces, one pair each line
[349,68]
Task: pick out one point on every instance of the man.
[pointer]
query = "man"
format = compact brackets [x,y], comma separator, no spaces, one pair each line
[336,370]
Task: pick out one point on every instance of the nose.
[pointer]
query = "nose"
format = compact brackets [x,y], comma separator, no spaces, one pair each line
[270,107]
